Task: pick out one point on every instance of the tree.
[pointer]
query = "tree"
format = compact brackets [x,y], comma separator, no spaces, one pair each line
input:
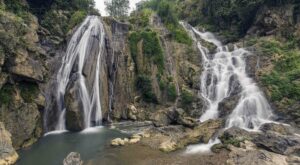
[117,8]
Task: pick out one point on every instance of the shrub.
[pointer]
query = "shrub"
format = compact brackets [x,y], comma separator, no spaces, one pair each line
[151,47]
[187,97]
[6,94]
[143,84]
[171,91]
[29,91]
[76,18]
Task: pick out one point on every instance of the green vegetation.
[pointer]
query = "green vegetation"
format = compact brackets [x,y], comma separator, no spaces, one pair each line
[151,47]
[29,91]
[76,18]
[283,81]
[171,92]
[117,8]
[187,97]
[142,18]
[166,10]
[6,94]
[143,83]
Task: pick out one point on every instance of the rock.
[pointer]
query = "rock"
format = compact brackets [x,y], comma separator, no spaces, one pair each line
[135,138]
[200,134]
[117,142]
[278,128]
[8,155]
[132,112]
[187,122]
[74,106]
[236,133]
[160,119]
[24,66]
[252,65]
[249,155]
[277,143]
[133,141]
[167,146]
[206,130]
[3,79]
[23,122]
[227,105]
[73,159]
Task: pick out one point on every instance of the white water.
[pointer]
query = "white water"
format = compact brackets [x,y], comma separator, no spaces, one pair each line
[220,68]
[75,57]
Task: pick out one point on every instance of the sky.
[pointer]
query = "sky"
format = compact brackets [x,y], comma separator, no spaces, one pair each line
[100,5]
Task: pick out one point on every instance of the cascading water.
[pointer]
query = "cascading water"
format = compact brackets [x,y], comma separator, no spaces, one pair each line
[74,62]
[220,69]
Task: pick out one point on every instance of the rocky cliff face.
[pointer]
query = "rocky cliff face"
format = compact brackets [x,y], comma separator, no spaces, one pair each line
[144,88]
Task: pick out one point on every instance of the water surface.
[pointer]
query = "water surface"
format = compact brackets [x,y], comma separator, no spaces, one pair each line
[53,148]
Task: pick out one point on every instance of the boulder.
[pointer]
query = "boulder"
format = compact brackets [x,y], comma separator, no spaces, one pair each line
[73,159]
[278,128]
[160,118]
[277,143]
[168,146]
[8,155]
[74,106]
[118,142]
[249,155]
[227,105]
[132,111]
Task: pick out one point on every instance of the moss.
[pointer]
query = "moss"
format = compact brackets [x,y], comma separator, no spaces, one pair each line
[187,97]
[29,91]
[76,18]
[143,84]
[6,93]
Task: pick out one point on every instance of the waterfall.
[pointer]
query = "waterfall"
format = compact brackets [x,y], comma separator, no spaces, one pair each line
[74,63]
[220,69]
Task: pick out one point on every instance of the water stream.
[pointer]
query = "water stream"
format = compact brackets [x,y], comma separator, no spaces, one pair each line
[74,63]
[224,72]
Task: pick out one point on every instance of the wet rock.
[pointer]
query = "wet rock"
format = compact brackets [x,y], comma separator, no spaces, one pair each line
[227,105]
[235,132]
[251,65]
[73,159]
[8,155]
[277,143]
[200,134]
[187,122]
[74,107]
[278,128]
[249,155]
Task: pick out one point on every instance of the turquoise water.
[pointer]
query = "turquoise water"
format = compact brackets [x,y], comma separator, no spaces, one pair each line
[54,147]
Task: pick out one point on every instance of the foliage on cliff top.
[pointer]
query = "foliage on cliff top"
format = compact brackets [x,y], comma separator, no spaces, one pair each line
[166,9]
